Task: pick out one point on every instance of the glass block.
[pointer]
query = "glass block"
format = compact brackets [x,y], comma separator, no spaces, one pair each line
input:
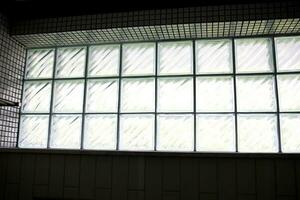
[33,131]
[70,62]
[175,57]
[36,97]
[65,131]
[138,95]
[253,55]
[215,133]
[104,60]
[289,92]
[137,132]
[68,96]
[257,133]
[255,93]
[39,63]
[175,94]
[102,95]
[287,54]
[214,56]
[175,133]
[138,59]
[290,134]
[215,94]
[100,132]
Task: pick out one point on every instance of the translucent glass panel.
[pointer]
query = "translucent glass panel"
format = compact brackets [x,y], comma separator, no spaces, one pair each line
[137,132]
[289,92]
[253,55]
[175,94]
[255,93]
[214,56]
[215,133]
[290,133]
[36,97]
[102,95]
[138,95]
[175,57]
[138,59]
[33,131]
[70,62]
[257,133]
[104,60]
[65,132]
[39,63]
[215,94]
[68,96]
[100,132]
[175,133]
[288,53]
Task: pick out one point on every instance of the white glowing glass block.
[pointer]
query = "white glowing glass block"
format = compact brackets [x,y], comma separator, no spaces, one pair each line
[287,53]
[70,62]
[104,60]
[68,96]
[65,131]
[257,133]
[100,132]
[36,96]
[290,134]
[138,59]
[33,131]
[137,132]
[214,56]
[289,92]
[40,63]
[138,95]
[175,94]
[215,94]
[215,133]
[175,57]
[255,93]
[102,95]
[253,55]
[175,133]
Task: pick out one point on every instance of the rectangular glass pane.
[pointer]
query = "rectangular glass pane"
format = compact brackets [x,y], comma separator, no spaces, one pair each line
[137,132]
[100,132]
[257,133]
[290,134]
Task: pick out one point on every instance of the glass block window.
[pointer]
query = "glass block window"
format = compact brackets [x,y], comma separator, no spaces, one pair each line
[206,95]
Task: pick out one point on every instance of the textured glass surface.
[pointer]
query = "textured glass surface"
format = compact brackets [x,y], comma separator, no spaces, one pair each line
[70,62]
[215,133]
[68,96]
[137,132]
[100,132]
[175,133]
[215,94]
[65,131]
[214,56]
[39,63]
[102,95]
[36,96]
[290,133]
[138,95]
[288,53]
[253,55]
[33,131]
[255,93]
[257,133]
[289,92]
[175,94]
[104,60]
[138,59]
[175,58]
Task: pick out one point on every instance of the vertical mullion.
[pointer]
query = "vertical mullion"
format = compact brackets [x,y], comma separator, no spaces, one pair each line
[194,95]
[156,89]
[119,97]
[235,95]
